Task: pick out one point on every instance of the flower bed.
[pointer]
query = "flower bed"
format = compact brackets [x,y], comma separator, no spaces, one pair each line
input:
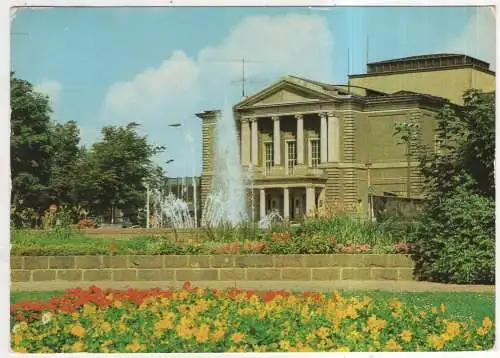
[197,320]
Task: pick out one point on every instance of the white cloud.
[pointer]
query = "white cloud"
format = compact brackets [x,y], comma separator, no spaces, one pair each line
[182,85]
[478,37]
[50,88]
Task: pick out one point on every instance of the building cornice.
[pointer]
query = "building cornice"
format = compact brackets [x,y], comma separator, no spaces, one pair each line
[449,68]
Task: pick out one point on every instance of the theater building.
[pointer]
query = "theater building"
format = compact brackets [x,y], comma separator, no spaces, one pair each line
[313,144]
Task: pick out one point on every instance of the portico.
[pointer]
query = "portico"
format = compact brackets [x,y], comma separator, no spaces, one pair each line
[292,201]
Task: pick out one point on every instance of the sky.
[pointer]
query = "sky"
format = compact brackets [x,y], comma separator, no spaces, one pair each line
[160,66]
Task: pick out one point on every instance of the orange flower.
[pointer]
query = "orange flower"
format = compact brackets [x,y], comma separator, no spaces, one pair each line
[393,345]
[237,337]
[202,334]
[77,347]
[218,335]
[135,346]
[78,330]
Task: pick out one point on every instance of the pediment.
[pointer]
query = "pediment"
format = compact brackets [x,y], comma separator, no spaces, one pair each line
[286,90]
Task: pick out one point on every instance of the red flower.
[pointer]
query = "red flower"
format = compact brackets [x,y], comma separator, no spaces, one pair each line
[186,285]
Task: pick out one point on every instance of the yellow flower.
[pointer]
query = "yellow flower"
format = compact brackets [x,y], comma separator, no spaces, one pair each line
[237,337]
[322,332]
[305,349]
[396,315]
[202,334]
[88,309]
[443,307]
[343,349]
[452,329]
[164,323]
[77,330]
[435,341]
[77,347]
[395,303]
[17,339]
[106,327]
[20,350]
[310,337]
[285,345]
[434,310]
[350,311]
[487,323]
[218,335]
[393,345]
[135,346]
[406,336]
[482,331]
[117,304]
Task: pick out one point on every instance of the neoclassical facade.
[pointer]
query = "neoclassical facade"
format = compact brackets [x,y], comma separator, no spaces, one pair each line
[310,144]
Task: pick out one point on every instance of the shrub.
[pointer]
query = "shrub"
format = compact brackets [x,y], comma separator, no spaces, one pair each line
[456,240]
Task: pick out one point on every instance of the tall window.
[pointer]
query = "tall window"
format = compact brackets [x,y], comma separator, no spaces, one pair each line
[315,153]
[291,151]
[269,156]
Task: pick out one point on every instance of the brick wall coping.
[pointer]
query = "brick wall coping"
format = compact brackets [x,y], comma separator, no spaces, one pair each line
[142,268]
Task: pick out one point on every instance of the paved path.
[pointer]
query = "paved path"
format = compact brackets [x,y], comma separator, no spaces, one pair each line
[301,286]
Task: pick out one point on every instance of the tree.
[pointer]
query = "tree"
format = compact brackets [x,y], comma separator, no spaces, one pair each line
[455,241]
[66,153]
[30,145]
[114,172]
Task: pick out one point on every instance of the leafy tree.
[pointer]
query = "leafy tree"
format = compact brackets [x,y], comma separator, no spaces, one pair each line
[30,145]
[67,151]
[113,172]
[455,239]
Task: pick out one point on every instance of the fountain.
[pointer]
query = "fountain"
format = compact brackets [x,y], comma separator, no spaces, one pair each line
[225,203]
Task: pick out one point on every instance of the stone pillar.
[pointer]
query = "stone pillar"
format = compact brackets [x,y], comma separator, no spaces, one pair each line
[276,140]
[300,139]
[245,142]
[333,138]
[310,200]
[262,203]
[286,203]
[255,142]
[323,138]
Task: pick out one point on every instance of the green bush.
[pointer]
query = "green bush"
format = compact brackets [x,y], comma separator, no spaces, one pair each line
[455,241]
[345,228]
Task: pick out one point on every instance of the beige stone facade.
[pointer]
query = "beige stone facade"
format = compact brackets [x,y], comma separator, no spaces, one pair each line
[313,144]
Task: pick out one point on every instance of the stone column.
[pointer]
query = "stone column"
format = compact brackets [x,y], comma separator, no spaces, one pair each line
[245,142]
[333,138]
[276,140]
[310,200]
[323,138]
[286,203]
[262,203]
[255,142]
[300,138]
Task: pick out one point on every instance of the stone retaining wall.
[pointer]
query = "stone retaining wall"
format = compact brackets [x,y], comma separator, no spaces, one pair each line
[211,268]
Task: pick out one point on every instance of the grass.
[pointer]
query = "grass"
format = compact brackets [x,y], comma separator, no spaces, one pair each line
[460,305]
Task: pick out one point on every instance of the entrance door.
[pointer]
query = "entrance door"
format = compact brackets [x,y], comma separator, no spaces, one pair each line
[297,207]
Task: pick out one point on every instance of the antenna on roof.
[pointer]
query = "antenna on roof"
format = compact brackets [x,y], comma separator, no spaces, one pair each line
[244,80]
[367,49]
[348,73]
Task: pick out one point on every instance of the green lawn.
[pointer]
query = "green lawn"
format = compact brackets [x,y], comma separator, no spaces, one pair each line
[460,305]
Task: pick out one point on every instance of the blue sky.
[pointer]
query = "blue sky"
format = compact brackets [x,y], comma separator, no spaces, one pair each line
[156,66]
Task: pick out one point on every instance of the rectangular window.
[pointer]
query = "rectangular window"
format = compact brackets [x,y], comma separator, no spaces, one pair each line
[269,156]
[291,153]
[315,153]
